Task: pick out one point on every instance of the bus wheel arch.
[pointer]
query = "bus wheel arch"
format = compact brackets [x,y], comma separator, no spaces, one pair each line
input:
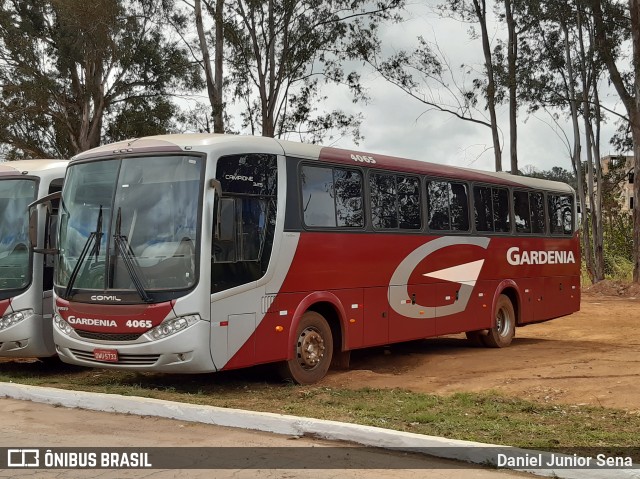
[316,334]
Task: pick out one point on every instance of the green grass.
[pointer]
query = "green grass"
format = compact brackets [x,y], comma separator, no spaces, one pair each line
[487,417]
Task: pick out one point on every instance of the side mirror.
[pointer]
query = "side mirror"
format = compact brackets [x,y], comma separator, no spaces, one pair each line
[33,228]
[34,218]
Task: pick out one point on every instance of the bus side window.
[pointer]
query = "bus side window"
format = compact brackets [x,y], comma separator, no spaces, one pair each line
[459,207]
[536,203]
[224,248]
[560,214]
[483,208]
[409,216]
[384,204]
[332,197]
[438,199]
[448,206]
[318,196]
[501,209]
[521,211]
[491,209]
[248,208]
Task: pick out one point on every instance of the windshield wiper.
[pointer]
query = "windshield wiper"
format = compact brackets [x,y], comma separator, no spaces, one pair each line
[129,259]
[95,237]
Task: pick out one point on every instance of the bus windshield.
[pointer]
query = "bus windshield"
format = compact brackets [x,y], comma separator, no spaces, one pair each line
[130,225]
[15,196]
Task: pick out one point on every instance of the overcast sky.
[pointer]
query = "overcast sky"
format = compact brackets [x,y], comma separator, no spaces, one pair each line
[398,125]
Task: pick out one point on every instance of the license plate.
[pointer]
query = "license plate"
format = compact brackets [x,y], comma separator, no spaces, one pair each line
[108,355]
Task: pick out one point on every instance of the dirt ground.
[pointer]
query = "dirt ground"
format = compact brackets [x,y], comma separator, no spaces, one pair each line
[591,357]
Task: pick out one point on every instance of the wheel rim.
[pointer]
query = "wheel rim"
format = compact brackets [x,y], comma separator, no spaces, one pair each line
[502,322]
[310,348]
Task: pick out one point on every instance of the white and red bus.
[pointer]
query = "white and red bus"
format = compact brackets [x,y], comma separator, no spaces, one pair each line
[196,253]
[26,280]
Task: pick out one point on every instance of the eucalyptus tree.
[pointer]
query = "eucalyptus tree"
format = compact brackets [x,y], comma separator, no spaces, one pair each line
[520,17]
[476,11]
[426,74]
[625,18]
[75,72]
[281,53]
[563,76]
[213,69]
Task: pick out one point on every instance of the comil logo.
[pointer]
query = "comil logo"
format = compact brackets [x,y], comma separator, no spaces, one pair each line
[23,458]
[104,297]
[516,258]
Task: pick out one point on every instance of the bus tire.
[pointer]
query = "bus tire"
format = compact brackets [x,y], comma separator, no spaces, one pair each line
[312,350]
[501,334]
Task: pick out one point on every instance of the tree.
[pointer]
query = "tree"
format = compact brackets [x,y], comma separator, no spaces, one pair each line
[512,56]
[279,52]
[69,77]
[213,77]
[426,74]
[564,76]
[608,43]
[556,173]
[476,12]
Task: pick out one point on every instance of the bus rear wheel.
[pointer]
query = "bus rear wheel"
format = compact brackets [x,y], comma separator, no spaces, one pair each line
[312,351]
[501,334]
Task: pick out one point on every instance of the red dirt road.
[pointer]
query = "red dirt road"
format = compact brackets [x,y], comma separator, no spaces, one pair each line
[591,357]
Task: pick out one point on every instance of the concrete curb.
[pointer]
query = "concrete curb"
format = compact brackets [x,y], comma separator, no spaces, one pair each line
[466,451]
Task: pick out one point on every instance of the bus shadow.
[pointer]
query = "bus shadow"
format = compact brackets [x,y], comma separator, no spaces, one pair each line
[34,367]
[399,356]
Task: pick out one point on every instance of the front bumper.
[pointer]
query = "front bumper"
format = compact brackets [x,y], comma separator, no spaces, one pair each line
[30,338]
[184,352]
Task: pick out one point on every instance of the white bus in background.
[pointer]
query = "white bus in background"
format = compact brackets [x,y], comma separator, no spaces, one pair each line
[26,279]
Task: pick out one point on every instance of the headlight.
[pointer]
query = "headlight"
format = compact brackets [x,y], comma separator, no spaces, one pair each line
[61,324]
[11,319]
[172,326]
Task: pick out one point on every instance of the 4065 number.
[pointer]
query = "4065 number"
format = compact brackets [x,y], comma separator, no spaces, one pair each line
[363,159]
[141,323]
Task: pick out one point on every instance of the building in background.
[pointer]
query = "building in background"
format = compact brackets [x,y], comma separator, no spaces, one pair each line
[619,169]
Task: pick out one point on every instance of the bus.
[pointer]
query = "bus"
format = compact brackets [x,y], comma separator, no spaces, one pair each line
[202,252]
[26,280]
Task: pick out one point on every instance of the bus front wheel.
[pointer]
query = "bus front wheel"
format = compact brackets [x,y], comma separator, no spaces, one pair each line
[312,351]
[501,334]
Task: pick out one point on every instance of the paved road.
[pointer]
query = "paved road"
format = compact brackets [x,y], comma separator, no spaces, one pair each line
[26,424]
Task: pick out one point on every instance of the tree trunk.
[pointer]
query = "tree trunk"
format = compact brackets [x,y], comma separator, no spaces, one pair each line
[512,55]
[635,131]
[481,13]
[214,86]
[268,115]
[595,197]
[577,153]
[599,240]
[634,7]
[218,107]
